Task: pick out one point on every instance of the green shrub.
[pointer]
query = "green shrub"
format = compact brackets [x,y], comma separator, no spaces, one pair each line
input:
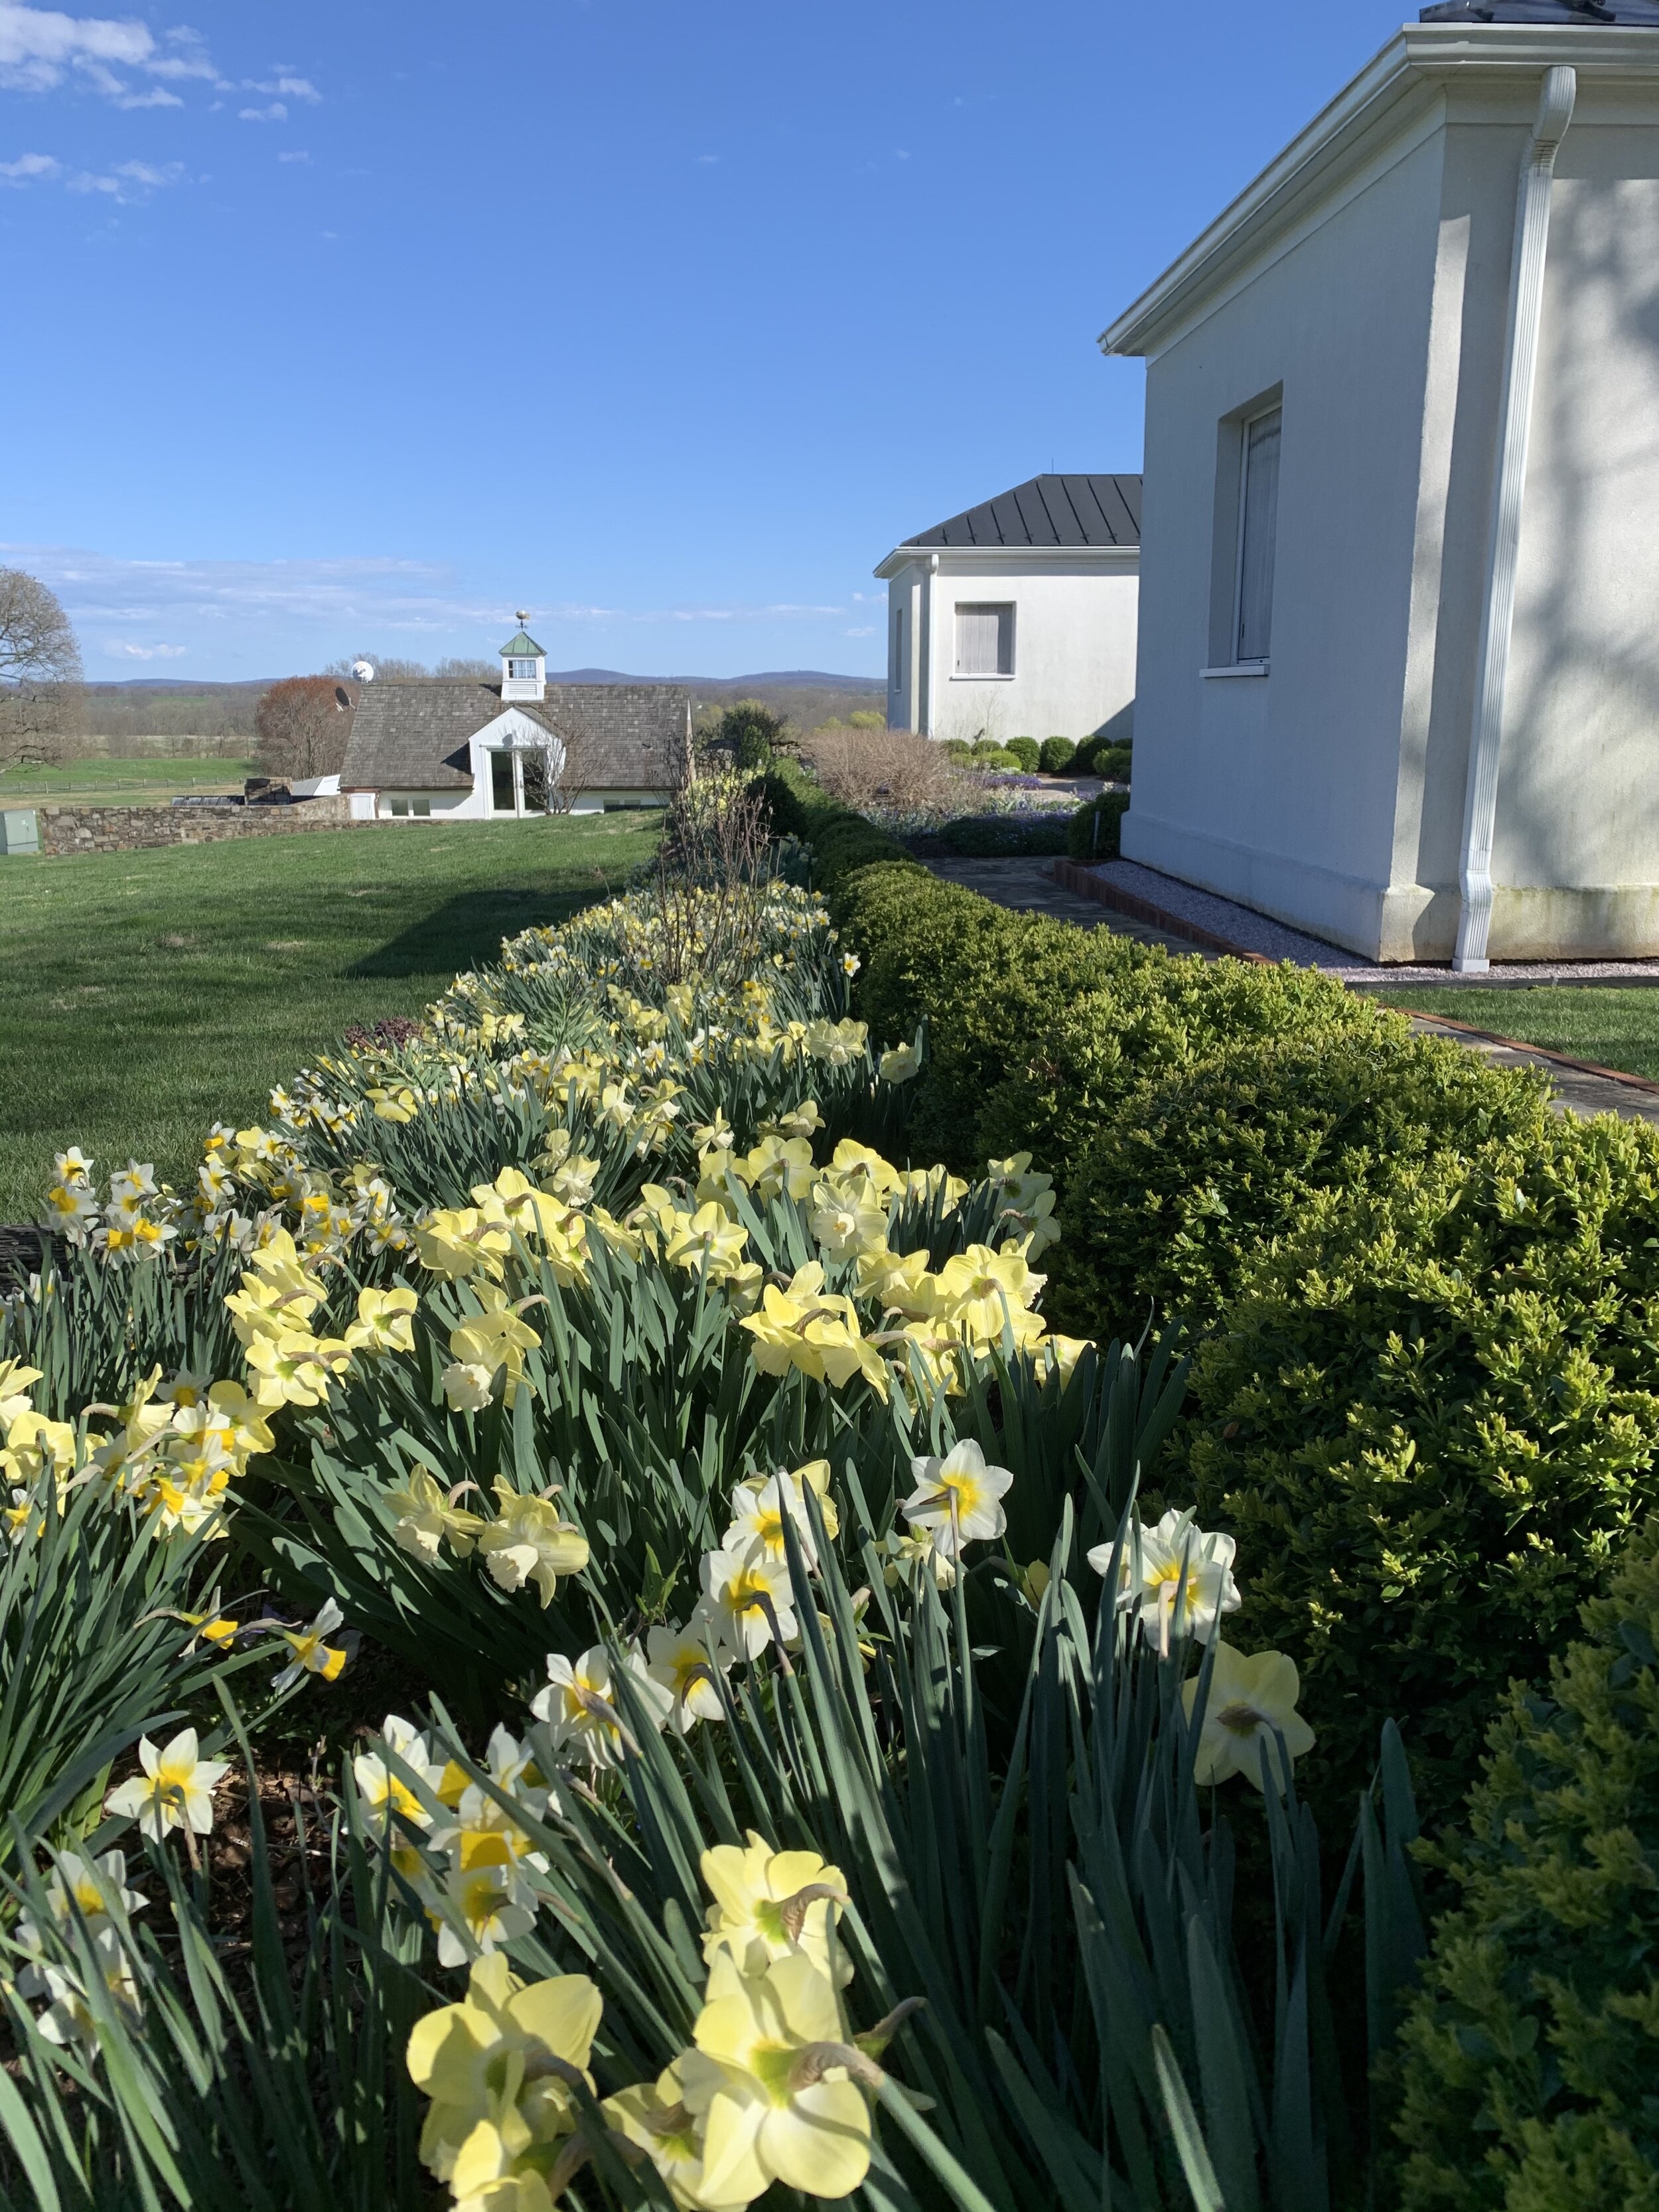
[990,836]
[1092,833]
[842,842]
[750,733]
[1431,1416]
[1528,2058]
[1058,757]
[1026,752]
[1172,1196]
[957,748]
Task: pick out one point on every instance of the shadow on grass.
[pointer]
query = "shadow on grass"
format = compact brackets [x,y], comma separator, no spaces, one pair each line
[466,931]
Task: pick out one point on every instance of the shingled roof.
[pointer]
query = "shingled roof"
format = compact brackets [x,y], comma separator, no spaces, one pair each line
[1049,510]
[413,735]
[1629,15]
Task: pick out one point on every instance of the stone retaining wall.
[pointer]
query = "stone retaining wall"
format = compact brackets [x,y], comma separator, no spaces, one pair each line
[131,829]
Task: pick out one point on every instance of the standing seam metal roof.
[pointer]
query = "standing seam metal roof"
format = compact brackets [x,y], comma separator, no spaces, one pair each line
[1057,511]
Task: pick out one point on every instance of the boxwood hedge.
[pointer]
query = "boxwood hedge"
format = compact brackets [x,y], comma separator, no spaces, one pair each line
[1528,2058]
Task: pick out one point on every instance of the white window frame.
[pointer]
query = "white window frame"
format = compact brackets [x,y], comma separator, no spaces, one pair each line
[961,607]
[521,670]
[492,754]
[1257,663]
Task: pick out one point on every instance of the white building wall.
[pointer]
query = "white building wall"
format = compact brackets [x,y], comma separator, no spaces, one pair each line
[1331,791]
[1279,790]
[1073,646]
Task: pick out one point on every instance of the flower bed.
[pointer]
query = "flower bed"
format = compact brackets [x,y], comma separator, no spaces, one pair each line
[827,1764]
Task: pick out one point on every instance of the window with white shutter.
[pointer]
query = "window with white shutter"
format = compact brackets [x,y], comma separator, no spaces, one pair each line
[985,638]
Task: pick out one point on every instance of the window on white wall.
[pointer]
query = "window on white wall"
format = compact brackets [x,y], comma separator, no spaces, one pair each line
[503,798]
[985,638]
[1258,528]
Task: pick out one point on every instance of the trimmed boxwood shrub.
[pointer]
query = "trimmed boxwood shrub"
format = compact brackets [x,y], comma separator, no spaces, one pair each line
[1104,755]
[1430,1417]
[1026,752]
[1058,756]
[1092,833]
[1169,1201]
[1528,2058]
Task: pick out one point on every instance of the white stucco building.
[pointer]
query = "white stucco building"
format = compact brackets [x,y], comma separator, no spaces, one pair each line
[1018,617]
[1398,649]
[470,751]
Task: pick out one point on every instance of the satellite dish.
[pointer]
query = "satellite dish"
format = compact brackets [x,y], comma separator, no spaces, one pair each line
[363,671]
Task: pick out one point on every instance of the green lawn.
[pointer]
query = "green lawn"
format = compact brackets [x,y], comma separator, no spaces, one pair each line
[1614,1026]
[145,995]
[119,782]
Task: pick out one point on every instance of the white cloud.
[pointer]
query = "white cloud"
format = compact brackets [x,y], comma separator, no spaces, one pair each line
[293,157]
[42,48]
[230,606]
[288,87]
[27,167]
[128,181]
[868,630]
[275,113]
[707,160]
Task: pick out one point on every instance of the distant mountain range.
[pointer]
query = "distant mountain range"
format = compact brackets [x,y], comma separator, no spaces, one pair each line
[798,679]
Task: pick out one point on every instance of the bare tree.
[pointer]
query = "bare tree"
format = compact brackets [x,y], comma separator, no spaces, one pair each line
[39,672]
[303,723]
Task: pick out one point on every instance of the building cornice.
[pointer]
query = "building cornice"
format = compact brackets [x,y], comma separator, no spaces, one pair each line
[1414,69]
[1005,556]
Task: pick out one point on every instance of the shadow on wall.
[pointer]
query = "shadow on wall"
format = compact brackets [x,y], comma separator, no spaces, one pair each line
[1119,727]
[467,930]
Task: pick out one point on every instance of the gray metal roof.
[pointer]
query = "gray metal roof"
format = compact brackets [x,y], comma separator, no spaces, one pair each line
[1049,510]
[412,735]
[1635,14]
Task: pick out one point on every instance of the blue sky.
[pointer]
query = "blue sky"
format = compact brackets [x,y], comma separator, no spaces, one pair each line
[348,327]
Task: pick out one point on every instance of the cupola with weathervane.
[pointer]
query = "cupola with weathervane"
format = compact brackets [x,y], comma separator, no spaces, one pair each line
[523,665]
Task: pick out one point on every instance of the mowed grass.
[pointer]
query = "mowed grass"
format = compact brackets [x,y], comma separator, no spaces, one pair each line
[144,996]
[1615,1025]
[120,782]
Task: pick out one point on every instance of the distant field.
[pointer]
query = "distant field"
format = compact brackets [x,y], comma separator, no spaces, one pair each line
[1614,1026]
[101,782]
[144,996]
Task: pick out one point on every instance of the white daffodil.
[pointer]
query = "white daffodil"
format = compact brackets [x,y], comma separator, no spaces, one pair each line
[579,1705]
[1177,1577]
[175,1791]
[684,1662]
[312,1654]
[958,1499]
[748,1600]
[756,1524]
[1251,1704]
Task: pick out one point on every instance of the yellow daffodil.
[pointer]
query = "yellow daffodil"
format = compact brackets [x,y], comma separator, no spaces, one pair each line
[287,1370]
[485,2061]
[771,2108]
[1251,1704]
[383,1323]
[653,2117]
[769,1903]
[465,1240]
[847,1221]
[528,1542]
[15,1383]
[424,1515]
[898,1063]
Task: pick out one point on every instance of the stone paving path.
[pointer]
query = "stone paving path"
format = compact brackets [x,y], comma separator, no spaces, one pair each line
[1028,887]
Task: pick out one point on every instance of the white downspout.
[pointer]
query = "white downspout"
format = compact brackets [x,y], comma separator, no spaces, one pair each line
[1532,232]
[927,669]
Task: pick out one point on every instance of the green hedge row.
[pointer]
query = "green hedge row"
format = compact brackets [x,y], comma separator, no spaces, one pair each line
[1528,2057]
[1424,1305]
